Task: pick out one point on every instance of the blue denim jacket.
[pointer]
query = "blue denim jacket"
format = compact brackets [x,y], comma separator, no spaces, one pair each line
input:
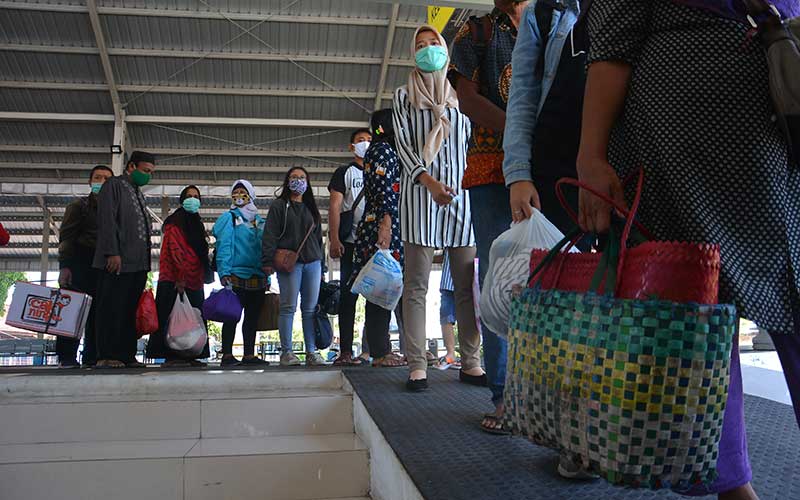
[528,93]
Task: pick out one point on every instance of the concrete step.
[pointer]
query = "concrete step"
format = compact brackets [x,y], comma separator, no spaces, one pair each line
[184,416]
[155,383]
[286,467]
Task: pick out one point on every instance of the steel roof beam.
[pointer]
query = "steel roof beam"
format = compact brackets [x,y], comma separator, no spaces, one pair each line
[194,54]
[174,89]
[183,120]
[100,40]
[166,167]
[387,53]
[193,14]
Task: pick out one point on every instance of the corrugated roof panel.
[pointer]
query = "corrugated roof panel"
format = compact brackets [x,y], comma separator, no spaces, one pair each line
[275,138]
[306,108]
[222,35]
[413,13]
[75,134]
[401,46]
[314,8]
[54,158]
[55,101]
[247,74]
[46,28]
[29,66]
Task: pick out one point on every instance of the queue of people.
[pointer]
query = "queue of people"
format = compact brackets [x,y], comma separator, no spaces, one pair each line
[468,147]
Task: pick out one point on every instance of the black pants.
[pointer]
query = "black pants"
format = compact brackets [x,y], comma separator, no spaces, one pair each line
[115,319]
[251,300]
[165,302]
[84,280]
[377,329]
[347,302]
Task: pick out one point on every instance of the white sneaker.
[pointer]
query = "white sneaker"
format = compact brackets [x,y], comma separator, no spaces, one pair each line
[289,359]
[315,359]
[570,470]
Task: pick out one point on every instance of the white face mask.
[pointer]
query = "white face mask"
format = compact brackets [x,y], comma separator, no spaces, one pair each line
[361,148]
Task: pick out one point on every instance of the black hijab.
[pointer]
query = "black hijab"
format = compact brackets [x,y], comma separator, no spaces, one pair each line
[192,227]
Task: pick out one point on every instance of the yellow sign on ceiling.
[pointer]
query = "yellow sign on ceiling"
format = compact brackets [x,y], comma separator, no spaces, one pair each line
[438,16]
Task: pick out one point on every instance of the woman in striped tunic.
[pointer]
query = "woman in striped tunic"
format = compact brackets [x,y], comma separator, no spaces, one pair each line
[432,136]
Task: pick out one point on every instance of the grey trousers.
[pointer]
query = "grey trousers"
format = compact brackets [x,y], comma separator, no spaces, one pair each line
[418,263]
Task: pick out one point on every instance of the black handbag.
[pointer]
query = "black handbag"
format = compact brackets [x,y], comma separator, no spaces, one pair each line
[347,219]
[329,295]
[782,42]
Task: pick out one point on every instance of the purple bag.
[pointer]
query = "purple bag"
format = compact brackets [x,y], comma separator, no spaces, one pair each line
[222,306]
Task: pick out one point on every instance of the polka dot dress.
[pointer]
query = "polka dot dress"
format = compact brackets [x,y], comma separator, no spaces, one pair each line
[698,118]
[381,197]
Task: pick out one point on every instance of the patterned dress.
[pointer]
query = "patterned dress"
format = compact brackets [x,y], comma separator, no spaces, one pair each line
[491,70]
[698,118]
[381,196]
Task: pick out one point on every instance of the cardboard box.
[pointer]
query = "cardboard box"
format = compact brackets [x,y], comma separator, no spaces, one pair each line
[49,310]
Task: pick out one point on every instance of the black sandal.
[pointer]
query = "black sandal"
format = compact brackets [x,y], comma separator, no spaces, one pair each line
[494,429]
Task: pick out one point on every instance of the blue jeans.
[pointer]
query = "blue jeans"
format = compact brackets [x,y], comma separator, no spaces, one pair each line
[491,216]
[303,281]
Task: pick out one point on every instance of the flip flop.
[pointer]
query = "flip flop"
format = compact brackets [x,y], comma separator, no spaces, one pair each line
[498,431]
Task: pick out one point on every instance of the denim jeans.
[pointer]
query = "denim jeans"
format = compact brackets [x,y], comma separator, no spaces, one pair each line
[303,281]
[491,216]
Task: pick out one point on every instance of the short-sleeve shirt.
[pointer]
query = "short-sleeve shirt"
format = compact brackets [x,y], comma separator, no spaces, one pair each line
[349,180]
[493,75]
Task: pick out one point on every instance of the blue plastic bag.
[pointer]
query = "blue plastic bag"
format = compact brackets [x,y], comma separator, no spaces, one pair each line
[323,329]
[222,306]
[381,281]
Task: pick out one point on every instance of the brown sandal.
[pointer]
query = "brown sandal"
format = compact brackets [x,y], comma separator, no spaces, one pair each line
[347,359]
[389,361]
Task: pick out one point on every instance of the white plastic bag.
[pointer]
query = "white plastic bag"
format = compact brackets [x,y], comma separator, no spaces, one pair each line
[381,281]
[186,331]
[509,261]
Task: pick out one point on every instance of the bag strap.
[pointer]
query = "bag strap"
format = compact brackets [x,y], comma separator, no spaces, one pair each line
[358,199]
[310,230]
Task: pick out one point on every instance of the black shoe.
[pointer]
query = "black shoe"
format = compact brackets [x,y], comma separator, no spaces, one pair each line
[417,385]
[479,380]
[254,362]
[228,361]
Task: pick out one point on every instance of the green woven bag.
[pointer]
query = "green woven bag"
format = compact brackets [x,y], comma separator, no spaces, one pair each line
[634,390]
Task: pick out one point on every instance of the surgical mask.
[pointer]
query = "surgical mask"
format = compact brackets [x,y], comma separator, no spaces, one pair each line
[298,186]
[96,187]
[361,148]
[140,178]
[431,58]
[241,200]
[191,205]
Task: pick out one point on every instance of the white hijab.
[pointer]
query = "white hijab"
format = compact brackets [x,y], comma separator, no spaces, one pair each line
[250,210]
[432,91]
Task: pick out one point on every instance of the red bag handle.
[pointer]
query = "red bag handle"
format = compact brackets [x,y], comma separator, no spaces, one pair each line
[630,215]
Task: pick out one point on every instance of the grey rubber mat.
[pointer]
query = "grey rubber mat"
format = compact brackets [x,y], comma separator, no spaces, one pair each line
[436,436]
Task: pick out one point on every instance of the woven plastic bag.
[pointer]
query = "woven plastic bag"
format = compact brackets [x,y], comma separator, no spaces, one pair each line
[509,259]
[146,314]
[223,306]
[186,331]
[632,389]
[381,281]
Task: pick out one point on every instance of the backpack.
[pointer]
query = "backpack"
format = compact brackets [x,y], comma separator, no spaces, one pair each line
[543,9]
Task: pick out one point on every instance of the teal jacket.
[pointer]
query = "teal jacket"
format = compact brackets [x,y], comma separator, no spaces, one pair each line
[238,245]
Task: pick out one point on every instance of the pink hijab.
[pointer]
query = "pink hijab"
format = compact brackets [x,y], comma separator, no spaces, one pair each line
[432,91]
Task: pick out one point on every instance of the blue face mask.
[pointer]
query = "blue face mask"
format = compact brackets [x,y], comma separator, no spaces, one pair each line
[431,58]
[191,205]
[96,187]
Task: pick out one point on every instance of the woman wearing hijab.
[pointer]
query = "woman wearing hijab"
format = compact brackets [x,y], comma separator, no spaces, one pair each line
[294,223]
[432,137]
[183,268]
[238,233]
[380,228]
[681,89]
